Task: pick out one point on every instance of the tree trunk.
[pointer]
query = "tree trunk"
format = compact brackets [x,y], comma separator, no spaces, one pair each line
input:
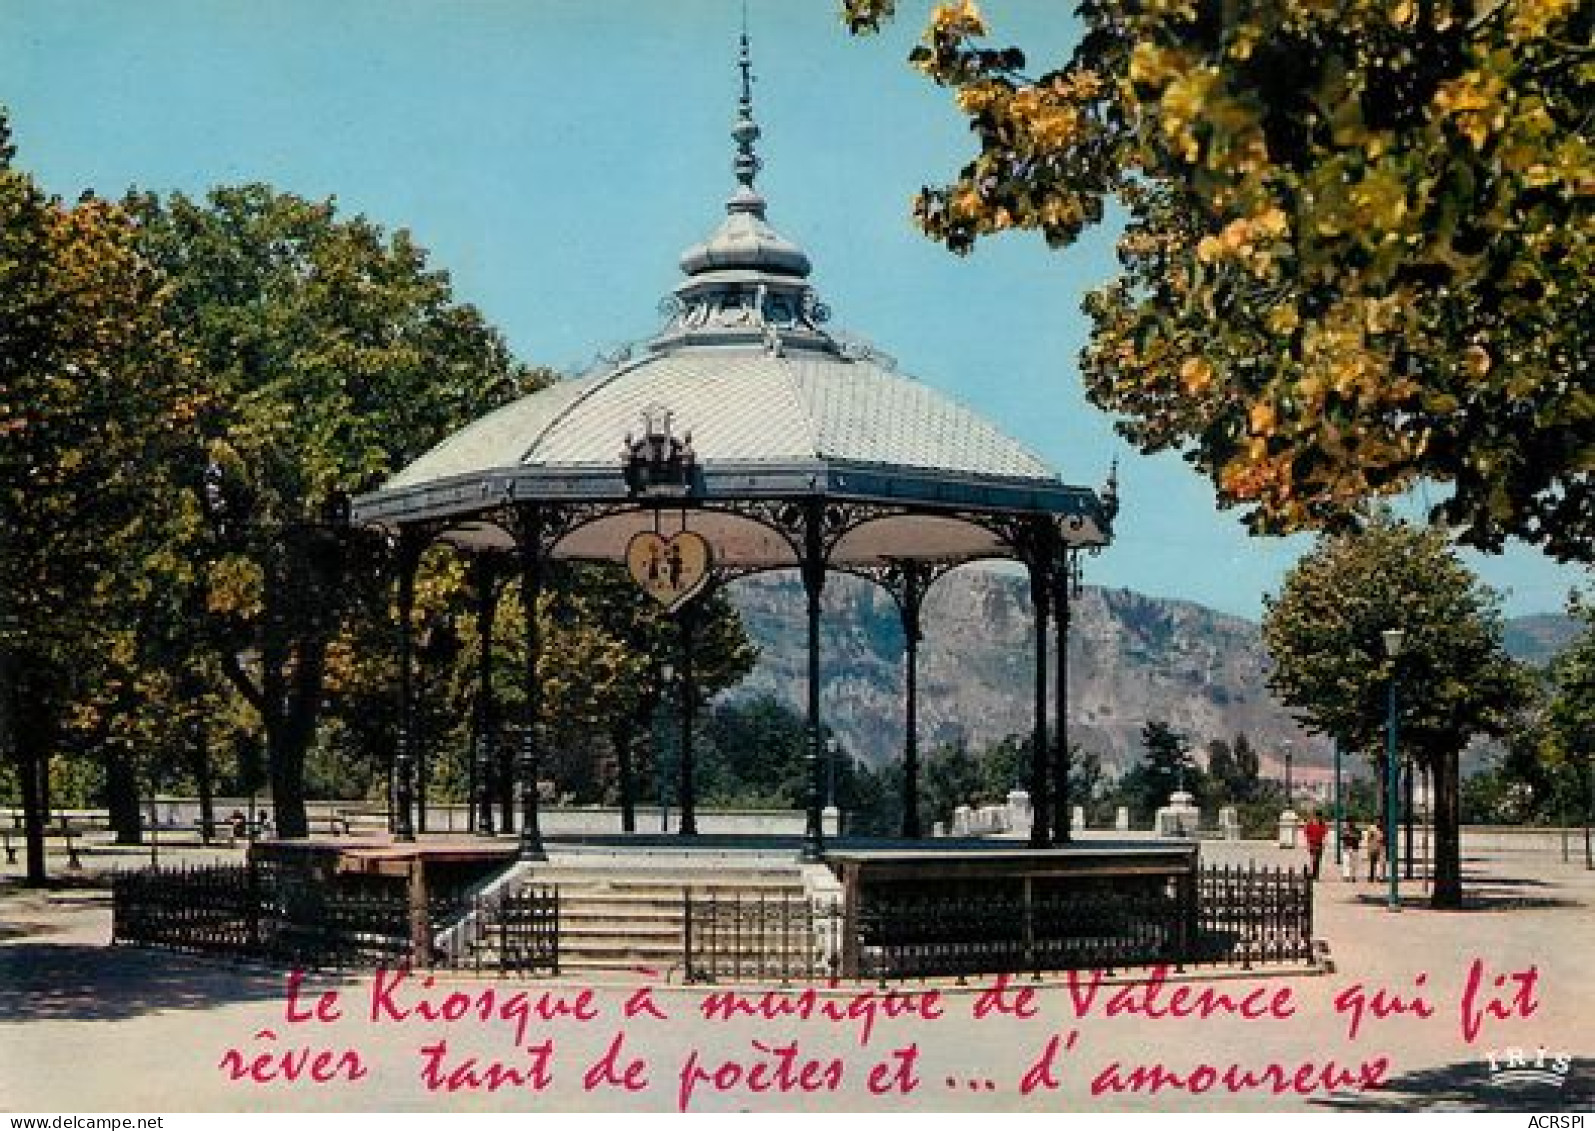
[286,770]
[623,738]
[30,769]
[289,739]
[121,797]
[504,781]
[25,757]
[202,779]
[1447,833]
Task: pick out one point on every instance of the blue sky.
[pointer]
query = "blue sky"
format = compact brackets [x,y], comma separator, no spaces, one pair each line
[557,155]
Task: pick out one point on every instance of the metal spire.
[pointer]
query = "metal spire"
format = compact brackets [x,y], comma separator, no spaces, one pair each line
[745,132]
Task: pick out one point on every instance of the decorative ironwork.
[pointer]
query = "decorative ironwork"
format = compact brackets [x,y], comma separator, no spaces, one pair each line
[1254,916]
[783,517]
[1028,928]
[905,581]
[855,347]
[1109,499]
[528,931]
[658,462]
[285,916]
[761,938]
[671,570]
[1224,916]
[838,520]
[1221,917]
[260,912]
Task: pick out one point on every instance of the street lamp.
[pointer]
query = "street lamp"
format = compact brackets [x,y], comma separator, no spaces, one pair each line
[830,773]
[1394,638]
[1290,792]
[1340,814]
[667,673]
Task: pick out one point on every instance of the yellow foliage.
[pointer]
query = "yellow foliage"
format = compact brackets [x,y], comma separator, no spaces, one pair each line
[1533,19]
[1185,104]
[1476,102]
[1196,375]
[960,19]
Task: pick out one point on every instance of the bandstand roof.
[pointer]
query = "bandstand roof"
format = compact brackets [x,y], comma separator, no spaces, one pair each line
[772,408]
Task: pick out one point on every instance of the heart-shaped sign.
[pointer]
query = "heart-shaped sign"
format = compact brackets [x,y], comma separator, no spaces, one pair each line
[670,570]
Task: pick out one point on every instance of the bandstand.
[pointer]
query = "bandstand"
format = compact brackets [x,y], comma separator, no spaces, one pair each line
[745,437]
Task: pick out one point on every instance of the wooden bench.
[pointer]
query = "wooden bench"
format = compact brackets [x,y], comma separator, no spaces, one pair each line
[12,837]
[336,823]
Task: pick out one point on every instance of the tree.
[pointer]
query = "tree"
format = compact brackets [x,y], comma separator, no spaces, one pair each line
[1323,633]
[1233,770]
[649,637]
[952,777]
[92,394]
[333,356]
[1358,243]
[1166,766]
[754,755]
[1570,717]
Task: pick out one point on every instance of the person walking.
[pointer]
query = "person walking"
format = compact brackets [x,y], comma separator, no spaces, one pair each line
[1350,841]
[1315,831]
[1374,846]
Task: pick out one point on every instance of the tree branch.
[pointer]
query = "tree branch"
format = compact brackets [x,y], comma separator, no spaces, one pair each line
[233,669]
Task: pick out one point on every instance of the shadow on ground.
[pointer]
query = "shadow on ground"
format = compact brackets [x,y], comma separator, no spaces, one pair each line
[1481,893]
[67,982]
[1467,1086]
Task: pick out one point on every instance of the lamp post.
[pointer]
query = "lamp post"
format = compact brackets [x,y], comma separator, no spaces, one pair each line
[667,673]
[1408,803]
[1586,775]
[830,773]
[1289,822]
[1340,816]
[1394,638]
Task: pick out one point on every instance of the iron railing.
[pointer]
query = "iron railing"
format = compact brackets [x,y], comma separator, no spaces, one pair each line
[1221,917]
[1028,931]
[259,912]
[1249,916]
[510,930]
[284,916]
[761,938]
[528,931]
[208,910]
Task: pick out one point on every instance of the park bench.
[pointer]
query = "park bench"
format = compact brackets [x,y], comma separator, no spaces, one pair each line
[335,823]
[15,836]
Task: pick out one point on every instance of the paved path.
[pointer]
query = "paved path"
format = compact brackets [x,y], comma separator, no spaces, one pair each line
[84,1027]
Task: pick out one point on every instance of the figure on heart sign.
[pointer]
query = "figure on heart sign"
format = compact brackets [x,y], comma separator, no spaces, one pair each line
[671,570]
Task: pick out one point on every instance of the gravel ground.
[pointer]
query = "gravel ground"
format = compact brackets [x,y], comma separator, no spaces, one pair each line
[85,1027]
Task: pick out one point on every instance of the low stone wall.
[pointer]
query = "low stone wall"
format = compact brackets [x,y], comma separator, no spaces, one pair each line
[365,816]
[1513,838]
[573,821]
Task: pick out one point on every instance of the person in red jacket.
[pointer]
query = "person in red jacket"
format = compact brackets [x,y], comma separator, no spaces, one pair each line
[1315,830]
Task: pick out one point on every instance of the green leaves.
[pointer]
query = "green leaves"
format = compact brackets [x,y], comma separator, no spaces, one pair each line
[1367,228]
[1453,677]
[1570,715]
[1323,633]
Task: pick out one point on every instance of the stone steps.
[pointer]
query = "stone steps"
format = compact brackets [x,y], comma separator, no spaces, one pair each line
[623,917]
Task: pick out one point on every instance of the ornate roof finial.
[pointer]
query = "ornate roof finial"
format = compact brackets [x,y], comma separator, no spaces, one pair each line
[1110,492]
[745,283]
[745,132]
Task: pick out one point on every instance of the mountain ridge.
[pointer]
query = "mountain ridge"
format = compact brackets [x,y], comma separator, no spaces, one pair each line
[1131,658]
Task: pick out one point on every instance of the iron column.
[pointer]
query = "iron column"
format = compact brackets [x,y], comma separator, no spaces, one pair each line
[1393,640]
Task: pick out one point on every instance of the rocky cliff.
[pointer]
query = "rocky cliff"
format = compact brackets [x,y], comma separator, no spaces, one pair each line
[1131,658]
